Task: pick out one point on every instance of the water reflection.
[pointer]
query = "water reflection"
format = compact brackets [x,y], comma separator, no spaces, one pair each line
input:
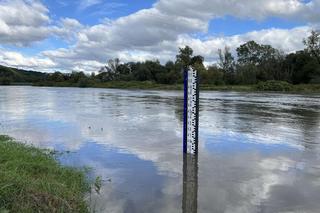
[257,152]
[190,184]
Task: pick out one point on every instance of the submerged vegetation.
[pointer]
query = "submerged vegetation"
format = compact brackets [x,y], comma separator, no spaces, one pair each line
[31,180]
[255,67]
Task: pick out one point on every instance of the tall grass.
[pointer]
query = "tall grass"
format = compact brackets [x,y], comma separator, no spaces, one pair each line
[31,180]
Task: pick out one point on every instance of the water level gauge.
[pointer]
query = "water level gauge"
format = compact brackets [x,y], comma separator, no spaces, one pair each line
[191,111]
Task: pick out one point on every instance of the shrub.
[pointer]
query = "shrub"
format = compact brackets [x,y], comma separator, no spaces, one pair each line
[83,82]
[5,81]
[274,86]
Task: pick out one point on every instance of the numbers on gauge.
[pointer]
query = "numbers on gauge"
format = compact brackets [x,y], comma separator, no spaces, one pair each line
[192,112]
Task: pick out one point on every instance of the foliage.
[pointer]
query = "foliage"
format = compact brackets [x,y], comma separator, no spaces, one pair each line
[32,181]
[313,44]
[227,64]
[98,184]
[5,81]
[267,59]
[280,86]
[185,56]
[302,67]
[256,54]
[10,75]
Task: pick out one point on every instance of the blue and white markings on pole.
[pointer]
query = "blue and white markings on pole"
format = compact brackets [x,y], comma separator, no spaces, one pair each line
[191,111]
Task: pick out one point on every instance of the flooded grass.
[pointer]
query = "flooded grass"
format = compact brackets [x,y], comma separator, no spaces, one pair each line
[31,180]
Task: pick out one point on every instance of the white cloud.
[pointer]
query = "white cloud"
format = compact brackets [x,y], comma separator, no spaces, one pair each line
[285,40]
[156,32]
[258,9]
[15,59]
[17,13]
[22,22]
[87,66]
[159,31]
[68,29]
[96,53]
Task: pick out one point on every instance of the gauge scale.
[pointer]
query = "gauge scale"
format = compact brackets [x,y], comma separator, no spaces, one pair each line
[191,111]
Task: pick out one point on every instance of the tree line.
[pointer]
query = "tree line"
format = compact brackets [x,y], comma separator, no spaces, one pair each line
[252,63]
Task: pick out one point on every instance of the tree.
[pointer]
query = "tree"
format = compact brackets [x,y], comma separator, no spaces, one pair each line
[313,44]
[246,74]
[197,64]
[75,77]
[198,59]
[227,64]
[185,56]
[254,53]
[109,71]
[155,69]
[214,75]
[172,74]
[141,71]
[124,69]
[56,77]
[113,65]
[303,67]
[249,53]
[267,59]
[226,60]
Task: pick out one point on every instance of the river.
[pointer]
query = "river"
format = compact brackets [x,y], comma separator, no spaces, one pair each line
[258,152]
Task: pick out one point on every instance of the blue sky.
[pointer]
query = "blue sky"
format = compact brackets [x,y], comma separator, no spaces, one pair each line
[67,35]
[229,25]
[92,12]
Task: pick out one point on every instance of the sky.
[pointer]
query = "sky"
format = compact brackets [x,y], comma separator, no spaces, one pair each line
[67,35]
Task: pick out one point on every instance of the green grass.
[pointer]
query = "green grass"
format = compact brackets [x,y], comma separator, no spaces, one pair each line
[307,88]
[31,180]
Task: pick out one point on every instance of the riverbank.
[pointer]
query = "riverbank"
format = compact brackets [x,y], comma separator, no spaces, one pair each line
[31,180]
[272,86]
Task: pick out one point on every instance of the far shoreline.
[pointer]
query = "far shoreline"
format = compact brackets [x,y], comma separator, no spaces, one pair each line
[147,85]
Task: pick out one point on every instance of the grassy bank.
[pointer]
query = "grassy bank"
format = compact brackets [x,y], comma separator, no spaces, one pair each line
[31,180]
[276,86]
[272,86]
[114,85]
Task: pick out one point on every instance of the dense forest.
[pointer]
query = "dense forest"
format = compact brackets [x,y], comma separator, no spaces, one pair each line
[253,64]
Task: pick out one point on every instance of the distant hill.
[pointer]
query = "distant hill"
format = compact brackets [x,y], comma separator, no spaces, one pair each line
[10,75]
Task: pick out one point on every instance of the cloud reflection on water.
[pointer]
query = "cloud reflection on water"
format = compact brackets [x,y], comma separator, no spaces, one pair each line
[258,152]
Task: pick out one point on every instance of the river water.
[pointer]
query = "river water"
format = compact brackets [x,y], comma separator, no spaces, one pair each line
[258,152]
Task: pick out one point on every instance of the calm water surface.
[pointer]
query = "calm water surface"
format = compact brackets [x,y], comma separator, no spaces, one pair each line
[258,152]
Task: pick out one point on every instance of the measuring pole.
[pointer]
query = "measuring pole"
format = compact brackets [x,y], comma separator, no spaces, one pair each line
[190,184]
[191,111]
